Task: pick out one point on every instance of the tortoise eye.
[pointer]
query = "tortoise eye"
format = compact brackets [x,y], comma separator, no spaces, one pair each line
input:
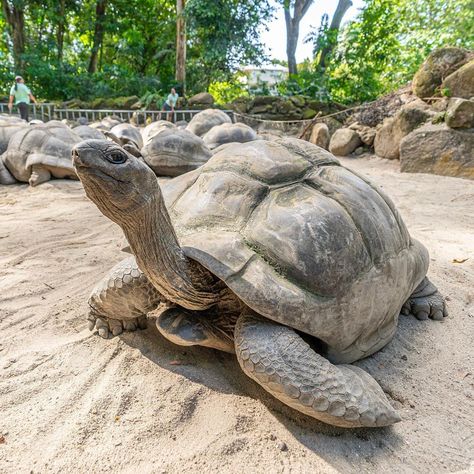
[117,157]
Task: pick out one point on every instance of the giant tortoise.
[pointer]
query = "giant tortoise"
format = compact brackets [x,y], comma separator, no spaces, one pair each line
[272,250]
[37,153]
[174,151]
[228,133]
[203,121]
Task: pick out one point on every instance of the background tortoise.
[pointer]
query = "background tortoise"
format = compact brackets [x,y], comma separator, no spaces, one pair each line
[154,129]
[228,133]
[174,151]
[36,153]
[271,249]
[203,121]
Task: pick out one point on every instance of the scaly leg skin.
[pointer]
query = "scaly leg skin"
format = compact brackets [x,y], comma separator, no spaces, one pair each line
[121,300]
[278,359]
[426,302]
[39,175]
[197,328]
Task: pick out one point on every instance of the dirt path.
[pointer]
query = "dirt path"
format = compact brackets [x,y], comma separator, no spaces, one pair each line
[72,402]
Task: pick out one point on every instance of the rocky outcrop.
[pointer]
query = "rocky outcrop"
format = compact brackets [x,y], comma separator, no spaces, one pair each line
[388,138]
[344,142]
[320,135]
[202,100]
[366,134]
[438,149]
[460,113]
[461,82]
[438,65]
[282,108]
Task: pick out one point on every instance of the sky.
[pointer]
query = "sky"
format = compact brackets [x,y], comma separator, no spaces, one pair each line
[275,38]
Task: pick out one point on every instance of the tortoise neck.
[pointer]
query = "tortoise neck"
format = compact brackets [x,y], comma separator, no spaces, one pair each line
[153,241]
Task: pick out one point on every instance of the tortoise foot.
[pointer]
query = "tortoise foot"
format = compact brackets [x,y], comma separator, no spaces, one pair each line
[109,327]
[426,302]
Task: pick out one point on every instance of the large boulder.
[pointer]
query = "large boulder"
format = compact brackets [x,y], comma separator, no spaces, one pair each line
[461,82]
[203,99]
[344,142]
[320,135]
[438,149]
[460,113]
[438,65]
[388,138]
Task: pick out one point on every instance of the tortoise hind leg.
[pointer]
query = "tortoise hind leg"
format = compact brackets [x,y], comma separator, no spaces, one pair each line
[121,300]
[426,302]
[277,358]
[197,328]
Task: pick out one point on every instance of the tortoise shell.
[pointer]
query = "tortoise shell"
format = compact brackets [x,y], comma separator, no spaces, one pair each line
[301,240]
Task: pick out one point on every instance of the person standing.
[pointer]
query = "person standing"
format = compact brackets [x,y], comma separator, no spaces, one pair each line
[22,95]
[170,103]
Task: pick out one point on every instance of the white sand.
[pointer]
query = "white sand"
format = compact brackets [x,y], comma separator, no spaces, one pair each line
[72,402]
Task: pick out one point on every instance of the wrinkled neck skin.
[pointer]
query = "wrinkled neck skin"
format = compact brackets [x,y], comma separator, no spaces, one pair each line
[153,241]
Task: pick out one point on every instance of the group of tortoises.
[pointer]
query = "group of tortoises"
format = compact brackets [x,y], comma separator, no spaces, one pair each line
[269,249]
[34,153]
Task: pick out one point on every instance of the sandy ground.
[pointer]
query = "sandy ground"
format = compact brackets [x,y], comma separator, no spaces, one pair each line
[72,402]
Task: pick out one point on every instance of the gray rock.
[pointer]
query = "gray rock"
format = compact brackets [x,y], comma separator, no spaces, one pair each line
[344,142]
[439,64]
[461,82]
[203,98]
[460,113]
[320,135]
[388,138]
[366,134]
[438,149]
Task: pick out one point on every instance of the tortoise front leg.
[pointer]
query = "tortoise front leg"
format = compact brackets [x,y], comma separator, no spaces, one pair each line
[277,358]
[121,300]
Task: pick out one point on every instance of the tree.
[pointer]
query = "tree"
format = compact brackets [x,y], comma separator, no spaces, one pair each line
[300,8]
[181,45]
[14,13]
[99,31]
[223,35]
[332,32]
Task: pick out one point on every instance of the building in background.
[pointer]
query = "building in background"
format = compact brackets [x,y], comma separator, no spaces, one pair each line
[263,79]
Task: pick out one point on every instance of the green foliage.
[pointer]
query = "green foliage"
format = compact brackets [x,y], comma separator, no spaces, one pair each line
[223,35]
[225,92]
[384,46]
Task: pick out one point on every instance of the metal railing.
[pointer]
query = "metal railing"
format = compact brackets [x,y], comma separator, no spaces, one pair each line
[44,111]
[48,111]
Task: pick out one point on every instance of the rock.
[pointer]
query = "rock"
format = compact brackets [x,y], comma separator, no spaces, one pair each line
[461,82]
[298,100]
[460,113]
[308,114]
[359,151]
[203,98]
[438,65]
[344,142]
[388,138]
[320,135]
[438,149]
[366,134]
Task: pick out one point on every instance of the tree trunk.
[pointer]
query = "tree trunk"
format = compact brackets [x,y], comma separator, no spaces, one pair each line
[60,28]
[14,15]
[180,45]
[98,34]
[300,7]
[341,10]
[292,33]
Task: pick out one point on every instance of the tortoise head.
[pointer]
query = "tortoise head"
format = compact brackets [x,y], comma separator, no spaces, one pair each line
[116,181]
